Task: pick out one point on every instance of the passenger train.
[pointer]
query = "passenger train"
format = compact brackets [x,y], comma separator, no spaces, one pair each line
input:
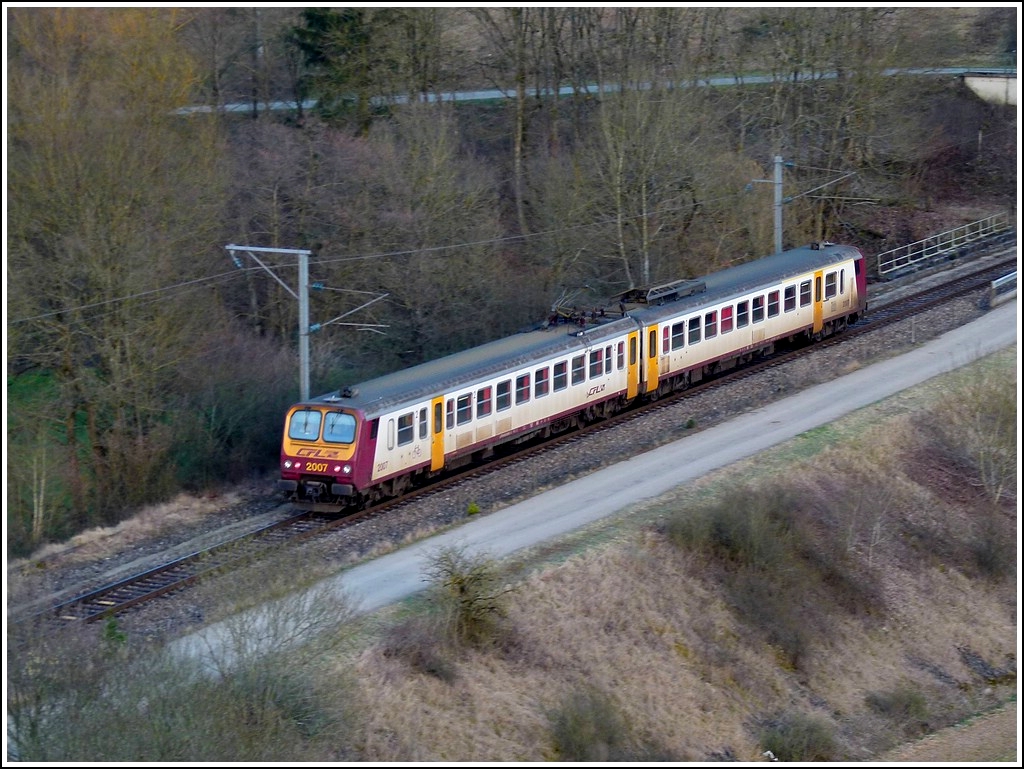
[380,438]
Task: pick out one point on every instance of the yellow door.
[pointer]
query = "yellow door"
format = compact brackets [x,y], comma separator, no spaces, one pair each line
[437,434]
[818,324]
[651,356]
[633,365]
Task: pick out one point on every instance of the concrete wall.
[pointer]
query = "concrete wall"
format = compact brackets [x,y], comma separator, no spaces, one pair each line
[999,89]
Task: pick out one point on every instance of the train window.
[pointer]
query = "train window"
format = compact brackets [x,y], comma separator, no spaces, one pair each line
[742,313]
[830,285]
[620,358]
[596,363]
[305,425]
[608,359]
[790,298]
[374,427]
[758,309]
[522,388]
[449,414]
[773,303]
[437,417]
[391,434]
[579,369]
[842,281]
[665,337]
[483,402]
[727,319]
[632,351]
[652,344]
[694,330]
[504,395]
[423,423]
[405,429]
[464,409]
[678,335]
[540,382]
[561,376]
[805,293]
[339,427]
[711,324]
[817,288]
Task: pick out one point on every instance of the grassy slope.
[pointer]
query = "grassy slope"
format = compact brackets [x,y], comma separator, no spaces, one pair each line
[659,632]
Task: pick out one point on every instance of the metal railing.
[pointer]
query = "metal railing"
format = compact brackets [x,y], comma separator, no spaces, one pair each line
[1002,289]
[942,244]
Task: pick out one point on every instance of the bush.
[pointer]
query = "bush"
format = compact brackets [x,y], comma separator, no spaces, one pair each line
[587,726]
[904,705]
[796,737]
[469,596]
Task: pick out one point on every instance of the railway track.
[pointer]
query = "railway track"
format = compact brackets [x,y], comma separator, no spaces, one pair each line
[179,574]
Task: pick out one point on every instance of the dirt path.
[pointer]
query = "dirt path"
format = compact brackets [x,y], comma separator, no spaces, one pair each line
[994,737]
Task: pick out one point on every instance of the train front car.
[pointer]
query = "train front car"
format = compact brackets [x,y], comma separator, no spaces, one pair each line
[319,453]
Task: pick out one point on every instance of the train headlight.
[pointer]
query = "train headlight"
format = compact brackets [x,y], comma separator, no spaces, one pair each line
[345,469]
[287,464]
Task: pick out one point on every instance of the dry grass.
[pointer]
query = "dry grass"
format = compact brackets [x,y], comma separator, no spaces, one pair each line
[654,629]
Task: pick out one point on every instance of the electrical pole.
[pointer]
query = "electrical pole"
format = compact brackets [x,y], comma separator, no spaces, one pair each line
[302,295]
[778,204]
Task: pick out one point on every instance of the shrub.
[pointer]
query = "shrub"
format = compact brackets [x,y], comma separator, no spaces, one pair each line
[797,737]
[904,705]
[469,595]
[420,643]
[587,726]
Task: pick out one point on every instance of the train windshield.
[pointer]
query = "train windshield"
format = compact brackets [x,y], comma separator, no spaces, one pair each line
[339,427]
[305,425]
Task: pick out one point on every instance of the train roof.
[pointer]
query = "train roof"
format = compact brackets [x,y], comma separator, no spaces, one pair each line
[742,278]
[465,368]
[461,369]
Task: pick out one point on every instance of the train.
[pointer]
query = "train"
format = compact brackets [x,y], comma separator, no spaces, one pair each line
[381,438]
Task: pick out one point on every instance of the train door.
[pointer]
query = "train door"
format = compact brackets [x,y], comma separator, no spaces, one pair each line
[633,365]
[651,359]
[437,434]
[818,323]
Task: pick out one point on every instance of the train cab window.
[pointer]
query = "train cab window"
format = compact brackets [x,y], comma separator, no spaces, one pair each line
[711,324]
[561,375]
[727,319]
[405,429]
[773,303]
[694,330]
[830,285]
[678,335]
[339,427]
[596,363]
[632,351]
[805,293]
[423,423]
[504,395]
[757,309]
[790,298]
[483,402]
[305,425]
[522,388]
[742,313]
[620,356]
[666,335]
[579,369]
[540,382]
[464,409]
[449,411]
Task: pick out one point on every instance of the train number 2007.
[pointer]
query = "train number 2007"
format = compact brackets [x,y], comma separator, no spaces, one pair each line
[316,467]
